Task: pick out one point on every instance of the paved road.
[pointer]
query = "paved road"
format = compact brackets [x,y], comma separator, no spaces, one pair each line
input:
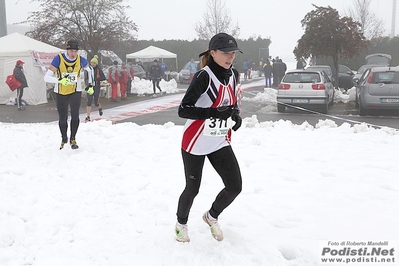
[159,110]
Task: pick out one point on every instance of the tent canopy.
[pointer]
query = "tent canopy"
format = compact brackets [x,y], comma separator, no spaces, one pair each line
[152,52]
[16,44]
[36,55]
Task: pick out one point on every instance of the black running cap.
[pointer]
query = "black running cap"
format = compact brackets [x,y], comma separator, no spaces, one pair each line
[72,45]
[223,42]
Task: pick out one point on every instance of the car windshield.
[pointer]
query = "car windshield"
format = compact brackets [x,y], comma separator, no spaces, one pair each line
[385,77]
[301,77]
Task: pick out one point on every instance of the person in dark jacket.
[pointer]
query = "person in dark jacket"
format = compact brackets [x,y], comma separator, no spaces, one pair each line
[283,69]
[113,79]
[20,76]
[268,70]
[155,75]
[210,107]
[96,78]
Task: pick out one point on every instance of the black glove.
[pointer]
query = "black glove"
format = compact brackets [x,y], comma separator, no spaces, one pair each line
[236,118]
[223,112]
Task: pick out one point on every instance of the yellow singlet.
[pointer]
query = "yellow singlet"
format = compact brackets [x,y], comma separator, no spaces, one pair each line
[72,69]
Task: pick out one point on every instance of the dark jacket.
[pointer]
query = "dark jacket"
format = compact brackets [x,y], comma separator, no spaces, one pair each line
[155,72]
[20,76]
[268,69]
[98,76]
[199,84]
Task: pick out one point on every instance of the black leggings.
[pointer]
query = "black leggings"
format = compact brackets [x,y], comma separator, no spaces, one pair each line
[20,93]
[155,83]
[73,101]
[226,165]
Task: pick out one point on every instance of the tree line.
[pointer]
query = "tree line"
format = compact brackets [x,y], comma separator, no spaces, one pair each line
[185,50]
[104,25]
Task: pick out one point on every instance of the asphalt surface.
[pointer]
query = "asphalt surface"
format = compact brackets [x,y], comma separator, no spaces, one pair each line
[47,112]
[146,109]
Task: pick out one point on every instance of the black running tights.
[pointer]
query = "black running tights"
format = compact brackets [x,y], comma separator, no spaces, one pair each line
[226,165]
[73,101]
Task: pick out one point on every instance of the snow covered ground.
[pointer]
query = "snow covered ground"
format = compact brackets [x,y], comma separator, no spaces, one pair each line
[113,201]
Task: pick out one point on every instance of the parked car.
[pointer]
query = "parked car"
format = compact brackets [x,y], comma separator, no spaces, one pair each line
[138,71]
[373,60]
[378,88]
[325,68]
[305,88]
[345,77]
[184,74]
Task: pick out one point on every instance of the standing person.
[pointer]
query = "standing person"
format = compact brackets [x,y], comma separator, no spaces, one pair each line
[96,78]
[260,69]
[130,73]
[210,101]
[282,70]
[164,68]
[113,79]
[139,63]
[20,76]
[268,70]
[192,67]
[123,79]
[276,72]
[67,67]
[245,67]
[155,76]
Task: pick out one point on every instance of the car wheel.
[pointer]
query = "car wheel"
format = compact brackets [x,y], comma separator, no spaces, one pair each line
[333,97]
[280,108]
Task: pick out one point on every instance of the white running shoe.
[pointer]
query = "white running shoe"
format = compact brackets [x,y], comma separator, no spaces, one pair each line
[216,231]
[181,231]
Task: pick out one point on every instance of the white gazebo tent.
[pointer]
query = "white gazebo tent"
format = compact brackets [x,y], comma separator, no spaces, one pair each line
[152,52]
[36,55]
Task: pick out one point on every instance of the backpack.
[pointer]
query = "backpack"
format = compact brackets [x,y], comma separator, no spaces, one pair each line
[12,82]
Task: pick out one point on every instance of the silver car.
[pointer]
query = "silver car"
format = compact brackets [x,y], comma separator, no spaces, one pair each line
[305,88]
[184,74]
[378,88]
[324,68]
[373,60]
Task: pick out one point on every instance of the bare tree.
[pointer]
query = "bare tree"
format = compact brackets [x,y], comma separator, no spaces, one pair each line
[96,24]
[371,26]
[216,18]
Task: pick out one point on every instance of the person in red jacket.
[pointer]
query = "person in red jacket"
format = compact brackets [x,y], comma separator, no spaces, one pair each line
[20,76]
[113,79]
[123,79]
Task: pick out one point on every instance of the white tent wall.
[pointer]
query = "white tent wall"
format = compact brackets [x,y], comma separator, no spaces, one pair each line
[14,47]
[35,93]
